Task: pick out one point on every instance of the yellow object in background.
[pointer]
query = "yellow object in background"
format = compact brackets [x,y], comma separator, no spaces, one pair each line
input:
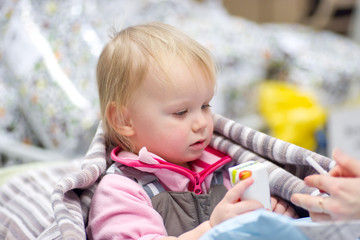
[292,115]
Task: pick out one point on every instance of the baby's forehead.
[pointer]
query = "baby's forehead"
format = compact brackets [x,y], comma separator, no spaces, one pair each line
[164,68]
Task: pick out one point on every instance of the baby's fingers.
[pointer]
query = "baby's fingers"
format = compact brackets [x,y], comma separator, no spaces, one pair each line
[280,207]
[235,193]
[247,206]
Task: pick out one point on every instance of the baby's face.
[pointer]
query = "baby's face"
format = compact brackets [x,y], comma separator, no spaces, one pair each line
[173,121]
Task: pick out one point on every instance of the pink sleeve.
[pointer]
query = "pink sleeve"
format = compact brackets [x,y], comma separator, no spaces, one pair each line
[121,209]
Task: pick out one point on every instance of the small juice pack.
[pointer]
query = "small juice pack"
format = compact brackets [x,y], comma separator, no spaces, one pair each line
[260,189]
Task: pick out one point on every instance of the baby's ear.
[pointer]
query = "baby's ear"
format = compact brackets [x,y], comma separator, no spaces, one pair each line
[118,119]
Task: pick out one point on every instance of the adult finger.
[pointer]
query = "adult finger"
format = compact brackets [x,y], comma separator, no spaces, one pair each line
[322,182]
[311,203]
[320,217]
[235,193]
[335,172]
[349,165]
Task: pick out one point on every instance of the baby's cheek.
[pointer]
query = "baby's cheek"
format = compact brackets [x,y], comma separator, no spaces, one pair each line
[173,137]
[180,138]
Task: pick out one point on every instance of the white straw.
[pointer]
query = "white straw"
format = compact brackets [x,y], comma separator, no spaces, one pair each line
[315,165]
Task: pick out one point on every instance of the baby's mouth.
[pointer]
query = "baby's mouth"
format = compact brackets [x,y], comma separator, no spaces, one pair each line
[198,144]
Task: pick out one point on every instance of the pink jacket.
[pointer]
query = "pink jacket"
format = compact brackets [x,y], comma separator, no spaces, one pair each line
[120,207]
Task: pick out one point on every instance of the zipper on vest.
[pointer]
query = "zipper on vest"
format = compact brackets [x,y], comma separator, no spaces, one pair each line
[199,177]
[197,182]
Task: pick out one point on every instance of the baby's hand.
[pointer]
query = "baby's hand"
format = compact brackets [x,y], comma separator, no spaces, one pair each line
[231,206]
[280,206]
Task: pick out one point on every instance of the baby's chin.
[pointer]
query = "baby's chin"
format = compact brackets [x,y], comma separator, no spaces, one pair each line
[193,157]
[184,161]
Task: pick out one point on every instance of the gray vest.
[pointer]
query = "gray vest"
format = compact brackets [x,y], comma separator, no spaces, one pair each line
[180,211]
[183,211]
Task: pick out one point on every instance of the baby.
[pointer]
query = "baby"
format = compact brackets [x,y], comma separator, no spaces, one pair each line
[155,87]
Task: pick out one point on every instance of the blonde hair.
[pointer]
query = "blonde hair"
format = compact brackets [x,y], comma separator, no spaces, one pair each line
[126,59]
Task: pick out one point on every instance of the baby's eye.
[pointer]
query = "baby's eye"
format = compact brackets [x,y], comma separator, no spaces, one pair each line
[205,106]
[181,113]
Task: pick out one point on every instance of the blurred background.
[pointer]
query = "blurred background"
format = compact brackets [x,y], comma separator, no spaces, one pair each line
[289,68]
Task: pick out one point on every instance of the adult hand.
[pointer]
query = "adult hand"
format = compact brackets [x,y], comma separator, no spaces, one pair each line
[346,166]
[232,205]
[342,186]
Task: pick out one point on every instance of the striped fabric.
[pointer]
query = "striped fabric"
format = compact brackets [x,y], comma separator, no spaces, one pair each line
[243,144]
[37,205]
[25,206]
